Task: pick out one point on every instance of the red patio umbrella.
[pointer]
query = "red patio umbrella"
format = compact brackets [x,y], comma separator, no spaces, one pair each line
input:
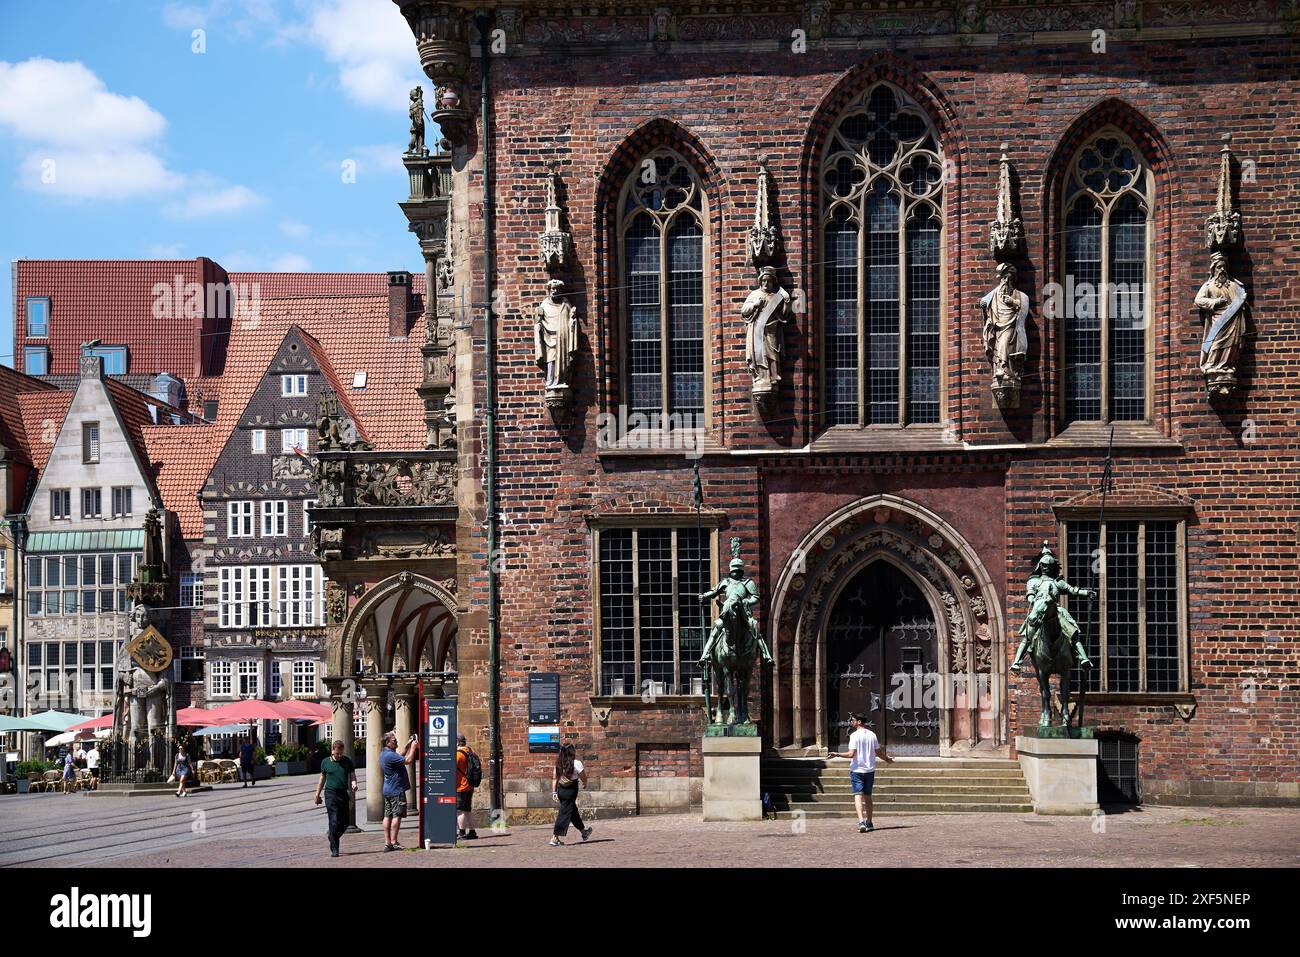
[194,718]
[253,709]
[94,724]
[310,710]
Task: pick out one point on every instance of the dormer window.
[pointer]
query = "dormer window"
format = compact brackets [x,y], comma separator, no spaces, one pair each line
[38,318]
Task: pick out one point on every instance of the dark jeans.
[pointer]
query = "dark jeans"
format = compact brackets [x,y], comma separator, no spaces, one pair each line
[336,807]
[249,777]
[569,813]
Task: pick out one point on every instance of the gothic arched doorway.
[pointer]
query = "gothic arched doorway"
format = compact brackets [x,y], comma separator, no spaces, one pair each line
[958,598]
[882,660]
[399,641]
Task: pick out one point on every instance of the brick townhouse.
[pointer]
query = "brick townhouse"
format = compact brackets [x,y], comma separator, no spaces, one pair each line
[914,174]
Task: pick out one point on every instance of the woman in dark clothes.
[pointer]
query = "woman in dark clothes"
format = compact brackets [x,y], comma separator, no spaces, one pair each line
[569,778]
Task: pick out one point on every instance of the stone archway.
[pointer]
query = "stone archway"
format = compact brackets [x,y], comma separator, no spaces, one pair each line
[969,625]
[403,627]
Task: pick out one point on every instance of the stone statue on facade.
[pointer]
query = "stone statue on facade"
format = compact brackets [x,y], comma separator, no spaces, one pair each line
[766,311]
[555,243]
[417,146]
[1222,301]
[555,342]
[1006,341]
[1051,635]
[734,643]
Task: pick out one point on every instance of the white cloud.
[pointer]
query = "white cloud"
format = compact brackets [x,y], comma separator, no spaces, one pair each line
[379,158]
[80,140]
[97,174]
[165,251]
[372,47]
[214,201]
[290,262]
[294,229]
[65,104]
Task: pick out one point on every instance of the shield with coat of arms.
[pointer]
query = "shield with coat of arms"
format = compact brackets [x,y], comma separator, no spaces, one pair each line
[150,650]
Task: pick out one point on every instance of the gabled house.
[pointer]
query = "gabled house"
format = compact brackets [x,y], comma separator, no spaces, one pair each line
[17,474]
[83,533]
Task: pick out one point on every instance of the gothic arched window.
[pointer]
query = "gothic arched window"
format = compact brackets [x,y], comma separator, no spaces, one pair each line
[663,254]
[882,182]
[1104,301]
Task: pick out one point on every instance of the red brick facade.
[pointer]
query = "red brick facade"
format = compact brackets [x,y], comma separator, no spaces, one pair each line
[994,477]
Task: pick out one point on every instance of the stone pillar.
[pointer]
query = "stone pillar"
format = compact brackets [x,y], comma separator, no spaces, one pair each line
[407,720]
[341,718]
[1061,771]
[376,696]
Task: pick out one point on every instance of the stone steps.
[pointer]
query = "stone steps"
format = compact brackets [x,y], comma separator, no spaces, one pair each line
[815,787]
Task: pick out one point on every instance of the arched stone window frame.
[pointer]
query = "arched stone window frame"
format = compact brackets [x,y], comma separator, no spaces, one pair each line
[898,176]
[1111,193]
[636,205]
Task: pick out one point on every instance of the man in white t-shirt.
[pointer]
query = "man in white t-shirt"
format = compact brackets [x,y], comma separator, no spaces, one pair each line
[92,762]
[863,748]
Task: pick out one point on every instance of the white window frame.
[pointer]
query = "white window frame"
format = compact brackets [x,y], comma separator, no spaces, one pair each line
[257,444]
[307,505]
[97,503]
[275,518]
[304,678]
[293,385]
[123,507]
[287,437]
[220,677]
[239,519]
[249,674]
[191,582]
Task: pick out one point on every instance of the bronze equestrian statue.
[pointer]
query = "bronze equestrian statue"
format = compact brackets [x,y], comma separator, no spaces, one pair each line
[1051,635]
[734,643]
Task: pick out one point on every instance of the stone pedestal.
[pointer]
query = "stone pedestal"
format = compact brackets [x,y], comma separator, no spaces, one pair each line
[731,785]
[1061,773]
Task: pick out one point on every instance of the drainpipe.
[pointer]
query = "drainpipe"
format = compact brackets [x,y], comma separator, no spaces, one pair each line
[483,20]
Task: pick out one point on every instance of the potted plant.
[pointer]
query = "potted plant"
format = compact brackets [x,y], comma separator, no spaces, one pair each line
[31,766]
[291,759]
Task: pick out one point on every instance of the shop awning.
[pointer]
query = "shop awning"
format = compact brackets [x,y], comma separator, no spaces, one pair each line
[113,540]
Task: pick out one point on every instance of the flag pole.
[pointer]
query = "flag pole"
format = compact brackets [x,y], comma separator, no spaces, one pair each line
[698,491]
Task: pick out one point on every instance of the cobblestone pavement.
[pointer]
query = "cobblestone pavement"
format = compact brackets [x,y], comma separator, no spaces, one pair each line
[275,824]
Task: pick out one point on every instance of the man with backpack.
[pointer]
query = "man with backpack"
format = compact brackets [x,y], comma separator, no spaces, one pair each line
[469,775]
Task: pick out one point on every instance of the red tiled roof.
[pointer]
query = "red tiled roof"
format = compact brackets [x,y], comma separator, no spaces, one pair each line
[314,285]
[180,460]
[353,332]
[327,369]
[346,334]
[13,432]
[43,415]
[113,300]
[109,300]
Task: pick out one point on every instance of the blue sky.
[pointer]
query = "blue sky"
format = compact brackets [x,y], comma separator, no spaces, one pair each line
[119,140]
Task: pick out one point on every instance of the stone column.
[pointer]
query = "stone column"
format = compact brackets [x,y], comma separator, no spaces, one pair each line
[341,718]
[407,719]
[376,696]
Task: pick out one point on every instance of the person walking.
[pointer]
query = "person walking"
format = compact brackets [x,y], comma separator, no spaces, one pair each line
[92,764]
[246,751]
[570,777]
[181,772]
[396,783]
[338,784]
[69,772]
[863,748]
[469,775]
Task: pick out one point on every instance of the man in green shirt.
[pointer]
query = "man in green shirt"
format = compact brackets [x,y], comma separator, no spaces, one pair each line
[338,781]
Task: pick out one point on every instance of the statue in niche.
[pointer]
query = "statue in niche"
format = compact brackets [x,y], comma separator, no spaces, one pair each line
[1222,302]
[555,342]
[417,147]
[766,311]
[1005,309]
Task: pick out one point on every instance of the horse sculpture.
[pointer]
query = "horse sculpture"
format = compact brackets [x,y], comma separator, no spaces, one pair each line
[1051,636]
[734,644]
